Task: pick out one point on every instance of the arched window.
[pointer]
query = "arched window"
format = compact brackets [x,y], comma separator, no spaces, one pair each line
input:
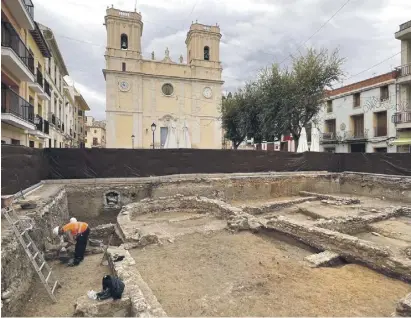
[124,41]
[206,53]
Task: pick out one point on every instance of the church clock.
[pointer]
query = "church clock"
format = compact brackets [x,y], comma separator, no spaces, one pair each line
[124,86]
[207,92]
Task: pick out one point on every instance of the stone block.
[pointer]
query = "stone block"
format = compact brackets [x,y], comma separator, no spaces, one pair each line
[86,307]
[404,307]
[326,258]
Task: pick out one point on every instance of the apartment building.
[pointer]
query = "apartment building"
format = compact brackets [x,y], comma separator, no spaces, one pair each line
[95,133]
[36,111]
[24,91]
[358,117]
[402,117]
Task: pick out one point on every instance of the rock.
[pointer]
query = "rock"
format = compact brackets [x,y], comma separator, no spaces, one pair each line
[86,307]
[171,240]
[376,234]
[326,258]
[404,306]
[6,295]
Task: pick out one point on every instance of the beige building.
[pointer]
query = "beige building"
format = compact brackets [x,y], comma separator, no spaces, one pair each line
[24,91]
[402,117]
[95,133]
[182,99]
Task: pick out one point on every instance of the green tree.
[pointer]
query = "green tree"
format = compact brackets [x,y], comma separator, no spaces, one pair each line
[291,98]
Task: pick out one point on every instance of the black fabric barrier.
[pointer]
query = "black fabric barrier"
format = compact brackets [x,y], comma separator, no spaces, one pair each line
[22,167]
[32,165]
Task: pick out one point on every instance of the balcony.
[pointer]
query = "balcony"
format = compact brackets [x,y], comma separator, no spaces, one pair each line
[40,127]
[356,135]
[47,89]
[404,74]
[380,131]
[38,85]
[328,138]
[52,119]
[22,11]
[402,119]
[405,31]
[14,54]
[46,127]
[15,110]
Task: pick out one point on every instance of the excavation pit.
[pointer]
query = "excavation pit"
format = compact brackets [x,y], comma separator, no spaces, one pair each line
[224,245]
[243,274]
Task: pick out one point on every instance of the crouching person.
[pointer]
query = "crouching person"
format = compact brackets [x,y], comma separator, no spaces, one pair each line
[78,233]
[112,287]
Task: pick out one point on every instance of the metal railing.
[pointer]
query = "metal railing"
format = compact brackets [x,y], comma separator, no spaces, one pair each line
[12,103]
[405,25]
[404,70]
[401,117]
[356,134]
[39,76]
[29,7]
[52,118]
[380,131]
[329,136]
[46,127]
[38,121]
[47,87]
[10,38]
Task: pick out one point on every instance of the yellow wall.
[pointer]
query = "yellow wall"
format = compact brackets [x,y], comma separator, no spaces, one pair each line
[124,124]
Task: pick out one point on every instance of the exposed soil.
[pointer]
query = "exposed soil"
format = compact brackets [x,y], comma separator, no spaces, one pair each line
[224,274]
[170,224]
[76,281]
[396,228]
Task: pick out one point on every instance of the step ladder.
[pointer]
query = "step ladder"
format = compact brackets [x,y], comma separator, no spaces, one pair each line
[21,230]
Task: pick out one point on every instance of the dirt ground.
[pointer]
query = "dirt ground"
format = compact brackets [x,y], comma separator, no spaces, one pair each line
[224,274]
[76,282]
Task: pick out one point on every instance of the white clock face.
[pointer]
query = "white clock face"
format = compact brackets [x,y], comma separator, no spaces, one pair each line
[124,86]
[207,92]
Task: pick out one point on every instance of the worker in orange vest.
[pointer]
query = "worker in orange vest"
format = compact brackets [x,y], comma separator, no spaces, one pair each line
[78,233]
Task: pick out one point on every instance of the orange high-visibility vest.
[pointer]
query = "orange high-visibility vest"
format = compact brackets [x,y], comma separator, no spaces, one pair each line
[75,228]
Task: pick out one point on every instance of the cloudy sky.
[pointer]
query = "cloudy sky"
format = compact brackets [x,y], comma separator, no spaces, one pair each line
[256,33]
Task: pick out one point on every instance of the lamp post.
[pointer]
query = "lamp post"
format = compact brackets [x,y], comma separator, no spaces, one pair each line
[132,141]
[153,129]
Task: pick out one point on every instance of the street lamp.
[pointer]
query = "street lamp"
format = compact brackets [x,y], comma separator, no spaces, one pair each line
[153,129]
[132,141]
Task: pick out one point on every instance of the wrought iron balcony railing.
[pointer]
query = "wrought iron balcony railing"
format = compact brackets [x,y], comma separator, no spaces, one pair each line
[10,38]
[46,127]
[47,87]
[39,77]
[329,136]
[12,103]
[401,117]
[356,134]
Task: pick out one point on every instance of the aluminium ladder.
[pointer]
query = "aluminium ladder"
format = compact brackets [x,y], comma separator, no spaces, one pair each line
[48,279]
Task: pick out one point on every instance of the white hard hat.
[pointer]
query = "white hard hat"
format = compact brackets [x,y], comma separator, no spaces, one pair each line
[56,231]
[73,220]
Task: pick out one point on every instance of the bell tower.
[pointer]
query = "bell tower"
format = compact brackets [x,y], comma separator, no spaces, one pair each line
[124,31]
[203,45]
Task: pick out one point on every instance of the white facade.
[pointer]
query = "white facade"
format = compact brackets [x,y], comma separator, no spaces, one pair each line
[358,118]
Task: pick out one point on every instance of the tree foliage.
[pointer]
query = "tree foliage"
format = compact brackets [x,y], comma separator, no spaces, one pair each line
[281,100]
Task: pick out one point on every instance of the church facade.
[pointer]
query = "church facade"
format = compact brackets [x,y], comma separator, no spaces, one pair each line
[180,101]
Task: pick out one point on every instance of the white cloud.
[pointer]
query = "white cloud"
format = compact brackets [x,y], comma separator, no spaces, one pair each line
[256,33]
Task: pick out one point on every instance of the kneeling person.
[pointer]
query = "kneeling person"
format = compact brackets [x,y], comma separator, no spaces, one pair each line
[78,233]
